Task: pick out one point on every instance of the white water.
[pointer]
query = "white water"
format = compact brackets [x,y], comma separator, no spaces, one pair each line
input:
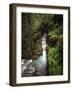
[40,63]
[44,48]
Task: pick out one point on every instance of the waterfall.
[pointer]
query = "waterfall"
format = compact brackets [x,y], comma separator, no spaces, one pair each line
[39,66]
[44,47]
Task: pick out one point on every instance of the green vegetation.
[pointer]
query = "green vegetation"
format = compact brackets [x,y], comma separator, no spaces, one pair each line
[31,39]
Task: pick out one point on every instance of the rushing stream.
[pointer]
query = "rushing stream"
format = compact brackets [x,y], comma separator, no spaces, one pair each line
[36,67]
